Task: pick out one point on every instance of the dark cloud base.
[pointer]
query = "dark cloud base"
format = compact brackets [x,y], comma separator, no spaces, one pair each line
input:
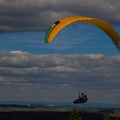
[38,15]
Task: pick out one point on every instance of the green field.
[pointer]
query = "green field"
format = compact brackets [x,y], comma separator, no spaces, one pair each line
[8,112]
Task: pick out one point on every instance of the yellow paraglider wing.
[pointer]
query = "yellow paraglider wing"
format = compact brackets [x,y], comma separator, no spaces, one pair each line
[107,28]
[28,105]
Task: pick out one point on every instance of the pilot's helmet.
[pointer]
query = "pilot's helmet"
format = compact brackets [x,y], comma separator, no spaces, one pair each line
[82,93]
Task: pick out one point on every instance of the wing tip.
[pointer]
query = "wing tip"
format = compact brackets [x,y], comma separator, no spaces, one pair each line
[118,45]
[47,42]
[118,49]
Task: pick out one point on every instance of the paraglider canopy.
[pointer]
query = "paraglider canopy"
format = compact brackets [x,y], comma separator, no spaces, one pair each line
[28,105]
[60,24]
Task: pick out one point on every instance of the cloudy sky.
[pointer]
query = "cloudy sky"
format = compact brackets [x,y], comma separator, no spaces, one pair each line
[80,58]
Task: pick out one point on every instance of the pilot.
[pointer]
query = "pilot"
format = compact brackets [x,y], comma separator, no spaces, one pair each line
[82,98]
[82,95]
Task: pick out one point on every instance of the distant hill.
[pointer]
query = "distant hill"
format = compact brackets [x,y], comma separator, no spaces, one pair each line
[59,105]
[52,111]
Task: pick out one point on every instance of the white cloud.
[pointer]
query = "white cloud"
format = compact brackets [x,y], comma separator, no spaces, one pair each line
[92,66]
[64,72]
